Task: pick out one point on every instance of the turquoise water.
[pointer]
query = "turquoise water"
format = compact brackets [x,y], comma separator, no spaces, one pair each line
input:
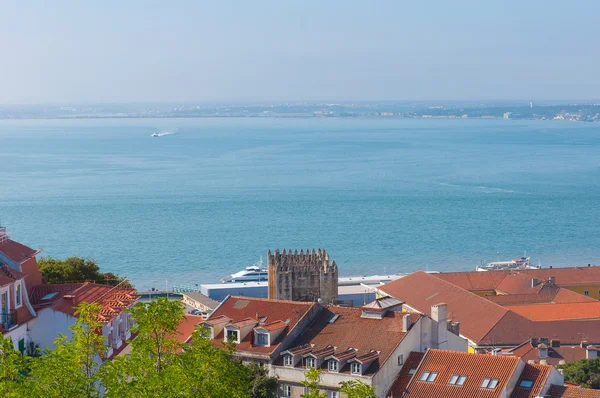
[381,195]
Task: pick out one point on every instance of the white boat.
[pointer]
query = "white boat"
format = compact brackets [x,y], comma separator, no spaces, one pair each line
[253,273]
[518,263]
[155,135]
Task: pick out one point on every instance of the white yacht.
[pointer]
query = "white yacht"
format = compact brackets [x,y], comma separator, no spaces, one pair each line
[253,273]
[518,263]
[155,135]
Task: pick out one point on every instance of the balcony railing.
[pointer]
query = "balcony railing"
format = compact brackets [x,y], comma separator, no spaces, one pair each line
[8,320]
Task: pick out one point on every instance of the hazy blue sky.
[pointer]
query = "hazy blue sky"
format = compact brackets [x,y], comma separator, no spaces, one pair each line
[131,50]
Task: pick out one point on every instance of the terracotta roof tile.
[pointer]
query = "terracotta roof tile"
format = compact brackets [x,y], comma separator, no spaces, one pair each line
[568,353]
[519,283]
[475,367]
[552,312]
[274,325]
[187,327]
[16,251]
[399,385]
[571,392]
[238,308]
[536,373]
[350,330]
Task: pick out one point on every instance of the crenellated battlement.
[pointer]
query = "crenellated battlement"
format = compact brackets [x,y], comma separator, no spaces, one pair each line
[302,275]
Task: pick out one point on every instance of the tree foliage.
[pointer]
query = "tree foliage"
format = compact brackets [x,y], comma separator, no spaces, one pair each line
[75,269]
[357,389]
[262,385]
[585,372]
[312,378]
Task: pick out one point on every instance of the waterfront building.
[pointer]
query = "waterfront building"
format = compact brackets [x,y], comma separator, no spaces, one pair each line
[303,276]
[199,301]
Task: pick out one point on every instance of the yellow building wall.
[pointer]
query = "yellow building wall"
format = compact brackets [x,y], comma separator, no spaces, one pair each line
[593,289]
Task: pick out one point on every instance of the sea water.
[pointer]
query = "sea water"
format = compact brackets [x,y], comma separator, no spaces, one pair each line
[381,195]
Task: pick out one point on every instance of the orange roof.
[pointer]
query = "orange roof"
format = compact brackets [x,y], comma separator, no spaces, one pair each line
[475,367]
[187,327]
[421,290]
[113,300]
[570,392]
[474,280]
[9,275]
[536,373]
[274,325]
[238,308]
[551,312]
[16,251]
[519,283]
[568,353]
[549,294]
[399,385]
[350,330]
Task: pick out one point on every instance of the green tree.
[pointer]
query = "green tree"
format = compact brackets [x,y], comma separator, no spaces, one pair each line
[75,269]
[68,371]
[312,378]
[13,365]
[262,385]
[357,389]
[585,372]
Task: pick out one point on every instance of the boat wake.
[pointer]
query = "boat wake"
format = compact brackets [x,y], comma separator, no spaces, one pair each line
[162,133]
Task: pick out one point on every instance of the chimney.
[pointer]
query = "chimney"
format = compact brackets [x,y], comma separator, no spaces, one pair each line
[534,282]
[439,312]
[591,352]
[534,341]
[406,322]
[555,343]
[542,350]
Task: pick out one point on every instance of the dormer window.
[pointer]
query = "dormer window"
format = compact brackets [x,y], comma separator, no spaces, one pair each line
[489,383]
[412,371]
[288,360]
[428,376]
[262,339]
[232,335]
[355,368]
[311,362]
[333,365]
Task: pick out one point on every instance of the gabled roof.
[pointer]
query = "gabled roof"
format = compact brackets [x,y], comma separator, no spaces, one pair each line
[399,385]
[421,290]
[536,373]
[113,299]
[16,251]
[261,312]
[9,275]
[572,392]
[549,294]
[516,282]
[381,304]
[568,353]
[187,327]
[343,328]
[475,367]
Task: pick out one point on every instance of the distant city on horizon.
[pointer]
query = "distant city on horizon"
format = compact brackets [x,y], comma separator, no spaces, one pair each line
[583,111]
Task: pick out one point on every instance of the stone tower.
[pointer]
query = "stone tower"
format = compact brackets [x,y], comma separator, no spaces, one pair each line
[304,276]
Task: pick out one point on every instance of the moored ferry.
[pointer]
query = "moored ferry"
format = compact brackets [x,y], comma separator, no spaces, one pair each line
[518,263]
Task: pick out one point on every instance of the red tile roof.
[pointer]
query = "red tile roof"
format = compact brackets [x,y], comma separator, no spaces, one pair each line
[399,385]
[9,275]
[551,312]
[16,251]
[536,373]
[570,392]
[519,283]
[475,367]
[350,330]
[274,325]
[187,327]
[113,300]
[421,290]
[238,308]
[568,353]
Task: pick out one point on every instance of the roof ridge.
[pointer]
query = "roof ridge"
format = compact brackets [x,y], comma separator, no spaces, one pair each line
[501,318]
[273,300]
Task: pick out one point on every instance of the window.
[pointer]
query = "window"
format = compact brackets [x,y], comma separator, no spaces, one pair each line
[18,294]
[232,334]
[311,362]
[288,360]
[457,380]
[412,371]
[489,383]
[332,365]
[586,292]
[400,360]
[428,376]
[355,368]
[287,390]
[526,383]
[262,339]
[332,394]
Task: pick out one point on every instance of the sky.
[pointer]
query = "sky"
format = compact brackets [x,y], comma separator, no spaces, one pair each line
[159,51]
